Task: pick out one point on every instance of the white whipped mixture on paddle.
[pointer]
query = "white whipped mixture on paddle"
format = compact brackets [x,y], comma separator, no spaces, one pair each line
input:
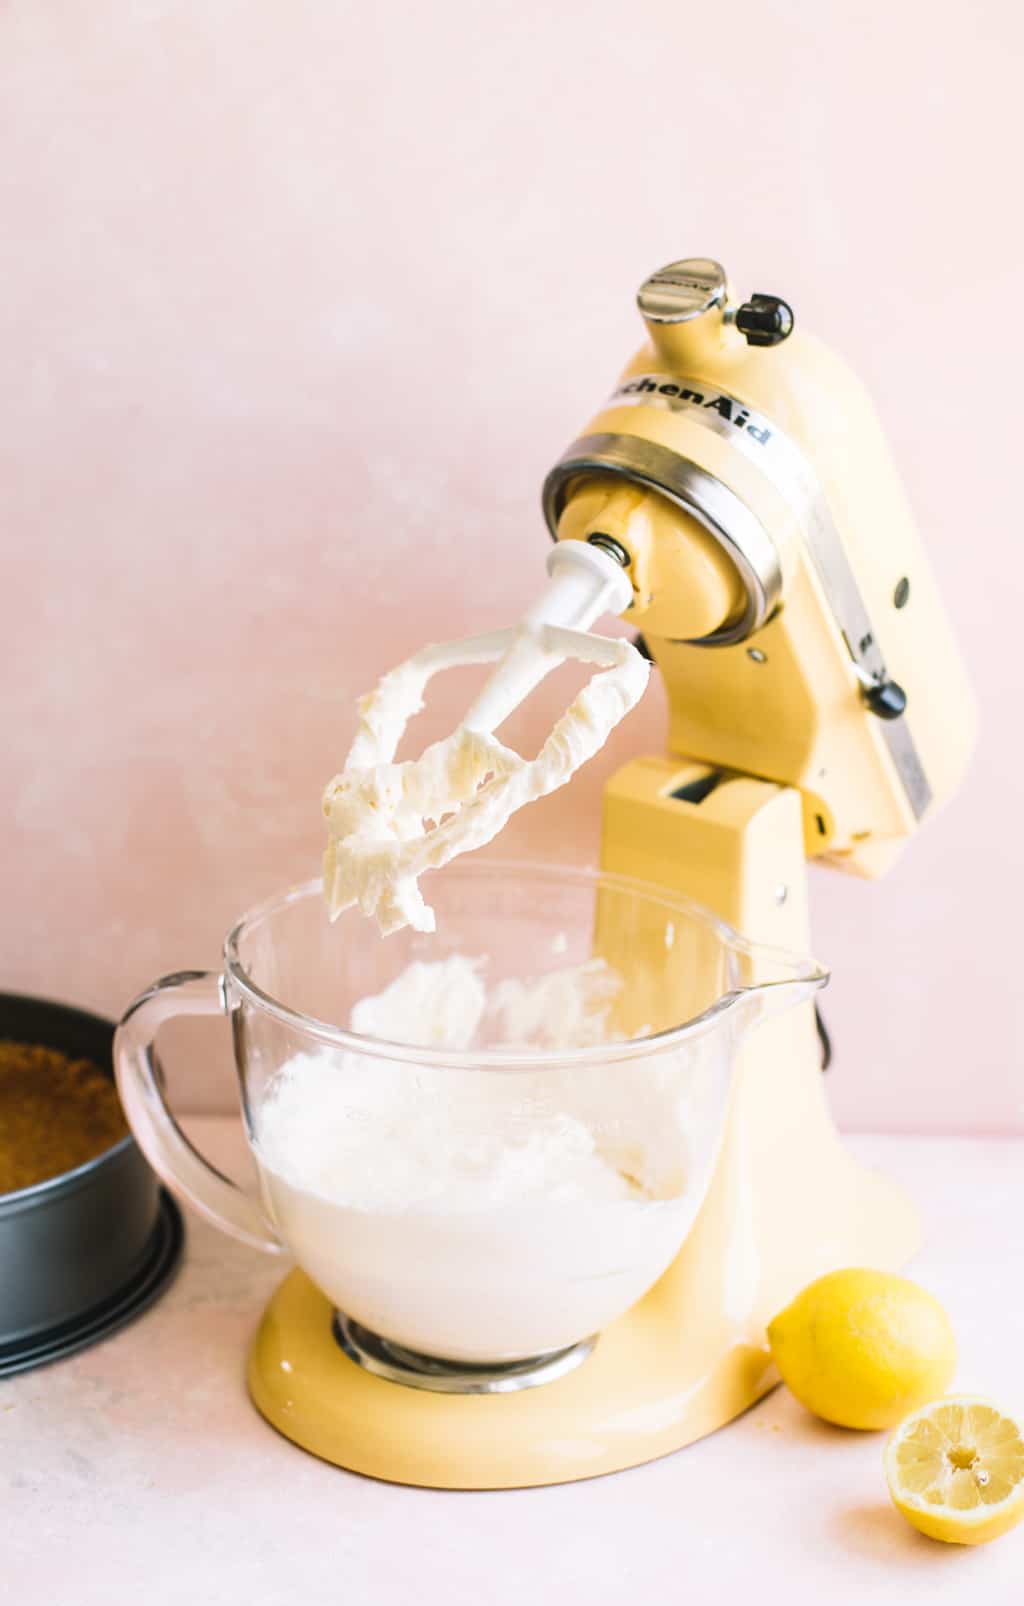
[389,822]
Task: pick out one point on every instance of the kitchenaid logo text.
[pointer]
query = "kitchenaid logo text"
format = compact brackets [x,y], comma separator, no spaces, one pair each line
[662,392]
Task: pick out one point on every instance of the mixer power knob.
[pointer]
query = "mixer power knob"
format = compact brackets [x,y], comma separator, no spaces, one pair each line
[765,320]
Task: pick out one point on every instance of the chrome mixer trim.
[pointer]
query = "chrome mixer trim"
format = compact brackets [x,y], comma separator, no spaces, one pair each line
[683,291]
[396,1364]
[784,464]
[698,493]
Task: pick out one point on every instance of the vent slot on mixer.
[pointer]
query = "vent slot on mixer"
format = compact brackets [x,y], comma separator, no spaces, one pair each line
[696,791]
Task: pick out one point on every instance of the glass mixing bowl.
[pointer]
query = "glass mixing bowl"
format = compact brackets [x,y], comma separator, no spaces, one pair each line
[482,1144]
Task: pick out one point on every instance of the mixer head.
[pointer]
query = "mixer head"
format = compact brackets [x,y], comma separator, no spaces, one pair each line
[740,474]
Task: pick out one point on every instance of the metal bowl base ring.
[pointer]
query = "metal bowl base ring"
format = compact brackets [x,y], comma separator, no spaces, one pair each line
[415,1370]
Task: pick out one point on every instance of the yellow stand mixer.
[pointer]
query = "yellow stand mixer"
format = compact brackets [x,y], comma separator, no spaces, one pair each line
[818,710]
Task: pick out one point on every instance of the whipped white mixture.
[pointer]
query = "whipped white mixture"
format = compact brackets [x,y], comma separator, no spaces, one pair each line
[388,823]
[485,1215]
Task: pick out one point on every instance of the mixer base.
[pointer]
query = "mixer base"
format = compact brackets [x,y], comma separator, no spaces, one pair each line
[680,1364]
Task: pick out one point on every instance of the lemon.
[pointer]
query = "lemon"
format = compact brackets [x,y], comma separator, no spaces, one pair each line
[956,1470]
[862,1348]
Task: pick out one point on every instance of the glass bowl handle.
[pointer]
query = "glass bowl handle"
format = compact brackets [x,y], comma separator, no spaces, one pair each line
[168,1150]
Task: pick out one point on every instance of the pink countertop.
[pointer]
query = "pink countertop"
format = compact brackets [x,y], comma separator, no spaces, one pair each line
[138,1471]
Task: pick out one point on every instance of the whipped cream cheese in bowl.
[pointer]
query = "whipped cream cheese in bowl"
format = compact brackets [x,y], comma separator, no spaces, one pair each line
[486,1143]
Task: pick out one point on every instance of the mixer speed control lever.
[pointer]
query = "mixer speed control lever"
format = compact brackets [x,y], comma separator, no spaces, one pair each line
[886,698]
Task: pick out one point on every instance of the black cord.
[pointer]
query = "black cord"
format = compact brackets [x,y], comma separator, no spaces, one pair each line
[824,1039]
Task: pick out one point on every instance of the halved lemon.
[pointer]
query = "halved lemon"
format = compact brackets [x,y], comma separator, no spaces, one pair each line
[956,1470]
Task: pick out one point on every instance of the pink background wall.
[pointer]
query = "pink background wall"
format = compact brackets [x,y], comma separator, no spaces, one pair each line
[297,304]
